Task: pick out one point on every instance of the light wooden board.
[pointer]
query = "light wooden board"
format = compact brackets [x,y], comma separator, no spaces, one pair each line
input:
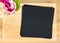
[12,24]
[37,1]
[0,28]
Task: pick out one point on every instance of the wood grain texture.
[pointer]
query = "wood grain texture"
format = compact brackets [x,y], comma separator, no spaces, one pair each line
[38,1]
[0,28]
[12,25]
[11,33]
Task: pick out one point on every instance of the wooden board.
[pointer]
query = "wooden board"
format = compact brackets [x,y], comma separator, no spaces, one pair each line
[12,24]
[37,1]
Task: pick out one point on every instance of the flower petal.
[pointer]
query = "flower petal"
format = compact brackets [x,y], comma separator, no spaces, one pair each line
[9,5]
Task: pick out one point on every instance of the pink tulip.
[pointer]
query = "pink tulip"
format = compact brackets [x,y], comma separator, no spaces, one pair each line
[9,5]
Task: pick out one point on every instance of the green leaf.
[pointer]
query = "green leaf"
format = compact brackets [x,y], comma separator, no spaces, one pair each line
[17,4]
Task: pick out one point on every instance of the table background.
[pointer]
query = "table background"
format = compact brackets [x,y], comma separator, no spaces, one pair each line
[37,1]
[11,28]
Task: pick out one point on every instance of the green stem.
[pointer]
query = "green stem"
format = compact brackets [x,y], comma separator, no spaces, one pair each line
[17,4]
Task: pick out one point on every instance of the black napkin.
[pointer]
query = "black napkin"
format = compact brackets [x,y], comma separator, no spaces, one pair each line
[37,21]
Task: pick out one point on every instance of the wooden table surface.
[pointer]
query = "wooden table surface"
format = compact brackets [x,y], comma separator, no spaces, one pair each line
[38,1]
[10,27]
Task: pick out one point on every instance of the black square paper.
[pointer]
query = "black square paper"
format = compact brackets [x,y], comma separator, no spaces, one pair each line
[37,21]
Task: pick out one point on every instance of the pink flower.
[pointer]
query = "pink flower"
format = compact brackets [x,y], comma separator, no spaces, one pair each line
[9,5]
[4,0]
